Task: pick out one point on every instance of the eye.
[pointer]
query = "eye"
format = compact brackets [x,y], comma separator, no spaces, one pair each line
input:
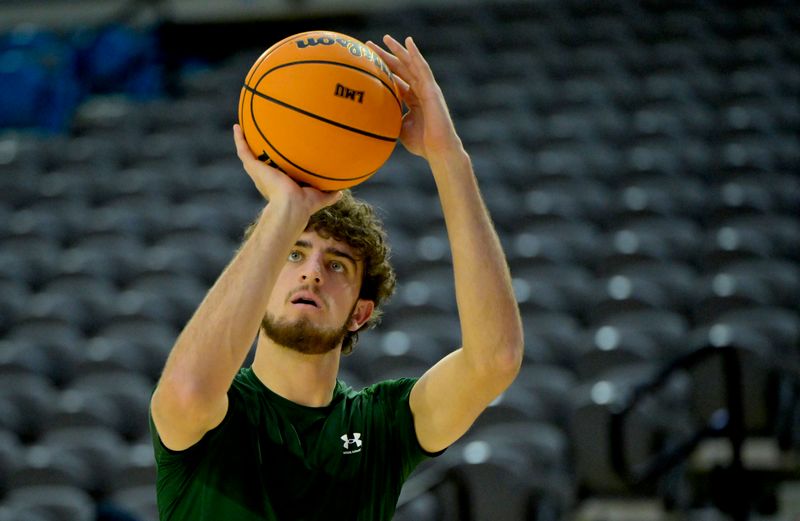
[295,256]
[337,266]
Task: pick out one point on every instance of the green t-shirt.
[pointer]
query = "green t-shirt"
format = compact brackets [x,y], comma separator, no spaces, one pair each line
[274,460]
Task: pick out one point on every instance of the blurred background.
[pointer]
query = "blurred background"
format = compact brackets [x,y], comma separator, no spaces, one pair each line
[641,162]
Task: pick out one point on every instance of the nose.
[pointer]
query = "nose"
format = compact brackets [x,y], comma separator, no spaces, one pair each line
[312,271]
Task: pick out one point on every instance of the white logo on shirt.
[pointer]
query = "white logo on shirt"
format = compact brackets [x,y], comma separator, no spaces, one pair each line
[350,443]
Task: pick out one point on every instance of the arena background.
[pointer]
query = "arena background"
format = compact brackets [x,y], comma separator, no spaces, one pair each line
[640,160]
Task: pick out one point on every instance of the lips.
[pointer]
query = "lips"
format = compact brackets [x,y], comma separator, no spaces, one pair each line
[306,298]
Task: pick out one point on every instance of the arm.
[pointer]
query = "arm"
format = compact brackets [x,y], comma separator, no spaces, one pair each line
[449,397]
[191,396]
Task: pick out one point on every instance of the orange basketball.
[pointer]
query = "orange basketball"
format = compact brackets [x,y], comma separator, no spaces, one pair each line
[322,107]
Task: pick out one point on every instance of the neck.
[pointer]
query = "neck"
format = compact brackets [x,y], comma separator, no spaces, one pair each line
[304,379]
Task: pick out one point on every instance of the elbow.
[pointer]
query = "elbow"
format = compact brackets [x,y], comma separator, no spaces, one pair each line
[506,362]
[510,353]
[509,360]
[178,399]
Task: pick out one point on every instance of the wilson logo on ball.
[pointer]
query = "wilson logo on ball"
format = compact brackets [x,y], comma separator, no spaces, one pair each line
[355,48]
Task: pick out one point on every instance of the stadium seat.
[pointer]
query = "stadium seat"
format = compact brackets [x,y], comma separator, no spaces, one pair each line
[84,408]
[99,448]
[130,393]
[551,384]
[608,347]
[94,294]
[649,425]
[429,289]
[578,242]
[560,334]
[782,277]
[663,238]
[515,404]
[10,457]
[620,293]
[675,279]
[42,465]
[425,507]
[571,197]
[666,327]
[107,256]
[759,366]
[152,338]
[55,502]
[493,482]
[575,285]
[107,354]
[722,291]
[32,398]
[140,501]
[34,259]
[21,356]
[780,325]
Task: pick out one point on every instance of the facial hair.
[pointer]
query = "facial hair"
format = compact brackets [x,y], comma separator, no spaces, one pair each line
[302,335]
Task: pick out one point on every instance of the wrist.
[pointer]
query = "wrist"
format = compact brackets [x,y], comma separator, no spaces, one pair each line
[450,160]
[285,215]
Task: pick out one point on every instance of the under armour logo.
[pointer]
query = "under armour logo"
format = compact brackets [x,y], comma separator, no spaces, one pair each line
[350,443]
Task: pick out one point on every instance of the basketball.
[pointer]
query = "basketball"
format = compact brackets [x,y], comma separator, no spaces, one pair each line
[322,107]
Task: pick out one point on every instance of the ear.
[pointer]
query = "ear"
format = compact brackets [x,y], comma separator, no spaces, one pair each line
[361,313]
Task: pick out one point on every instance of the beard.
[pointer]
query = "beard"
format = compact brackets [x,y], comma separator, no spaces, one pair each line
[302,335]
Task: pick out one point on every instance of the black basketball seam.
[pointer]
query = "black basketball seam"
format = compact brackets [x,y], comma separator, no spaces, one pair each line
[264,57]
[318,117]
[337,64]
[309,172]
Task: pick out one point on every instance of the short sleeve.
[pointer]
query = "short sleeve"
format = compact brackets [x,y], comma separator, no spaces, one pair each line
[170,461]
[395,395]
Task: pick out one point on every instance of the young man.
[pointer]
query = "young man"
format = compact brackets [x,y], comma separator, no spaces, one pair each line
[283,440]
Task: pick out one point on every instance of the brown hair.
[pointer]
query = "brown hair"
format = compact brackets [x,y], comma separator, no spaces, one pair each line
[355,223]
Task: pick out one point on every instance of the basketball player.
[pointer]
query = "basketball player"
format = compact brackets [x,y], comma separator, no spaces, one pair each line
[283,439]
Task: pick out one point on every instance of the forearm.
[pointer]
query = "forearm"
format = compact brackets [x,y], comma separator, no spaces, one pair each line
[490,323]
[216,340]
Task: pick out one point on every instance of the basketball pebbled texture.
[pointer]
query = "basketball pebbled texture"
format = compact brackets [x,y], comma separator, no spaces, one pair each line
[322,107]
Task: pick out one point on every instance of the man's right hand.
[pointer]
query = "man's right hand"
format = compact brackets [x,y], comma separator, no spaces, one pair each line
[276,186]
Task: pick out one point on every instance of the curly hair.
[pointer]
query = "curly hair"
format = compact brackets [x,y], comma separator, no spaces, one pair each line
[355,223]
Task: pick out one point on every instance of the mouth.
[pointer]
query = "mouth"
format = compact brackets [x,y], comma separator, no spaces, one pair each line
[306,299]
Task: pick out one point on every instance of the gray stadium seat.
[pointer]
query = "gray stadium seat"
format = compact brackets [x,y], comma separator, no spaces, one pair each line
[32,397]
[57,503]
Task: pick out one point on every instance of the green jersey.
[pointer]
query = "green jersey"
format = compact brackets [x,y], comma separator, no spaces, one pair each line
[274,460]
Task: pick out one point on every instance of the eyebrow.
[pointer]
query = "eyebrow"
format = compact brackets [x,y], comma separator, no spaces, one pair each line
[330,250]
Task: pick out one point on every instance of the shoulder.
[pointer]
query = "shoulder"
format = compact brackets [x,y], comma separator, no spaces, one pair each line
[389,389]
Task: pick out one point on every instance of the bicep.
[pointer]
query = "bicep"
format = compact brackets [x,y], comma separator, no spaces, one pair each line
[449,397]
[180,425]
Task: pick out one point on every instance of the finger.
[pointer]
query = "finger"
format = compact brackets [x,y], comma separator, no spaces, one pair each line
[403,57]
[242,148]
[402,85]
[389,58]
[332,198]
[419,61]
[395,46]
[406,92]
[394,63]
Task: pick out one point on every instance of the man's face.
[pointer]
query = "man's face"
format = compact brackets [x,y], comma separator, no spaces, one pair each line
[315,300]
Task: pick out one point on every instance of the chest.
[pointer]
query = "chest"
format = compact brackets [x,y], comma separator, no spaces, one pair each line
[340,443]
